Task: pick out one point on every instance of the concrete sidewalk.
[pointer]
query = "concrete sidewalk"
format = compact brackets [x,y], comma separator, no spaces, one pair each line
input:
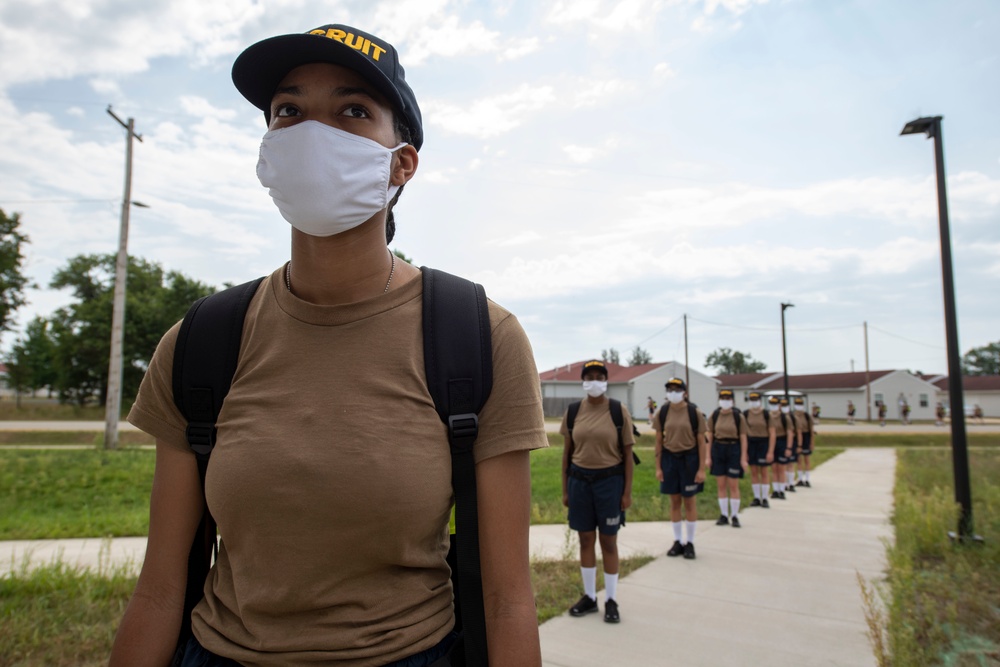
[781,590]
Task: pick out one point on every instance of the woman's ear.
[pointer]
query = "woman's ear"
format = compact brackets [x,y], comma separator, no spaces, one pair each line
[404,165]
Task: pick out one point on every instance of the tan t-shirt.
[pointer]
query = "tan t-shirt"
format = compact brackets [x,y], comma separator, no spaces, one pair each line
[779,427]
[677,435]
[331,478]
[757,423]
[595,438]
[802,422]
[725,426]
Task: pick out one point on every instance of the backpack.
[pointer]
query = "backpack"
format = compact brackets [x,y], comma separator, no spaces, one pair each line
[767,417]
[736,418]
[458,362]
[616,416]
[692,415]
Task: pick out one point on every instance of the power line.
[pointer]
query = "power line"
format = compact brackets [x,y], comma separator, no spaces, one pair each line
[660,331]
[908,340]
[58,201]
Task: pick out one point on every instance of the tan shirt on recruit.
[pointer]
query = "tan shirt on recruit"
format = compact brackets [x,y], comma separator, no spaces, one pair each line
[725,426]
[757,423]
[677,435]
[331,478]
[595,438]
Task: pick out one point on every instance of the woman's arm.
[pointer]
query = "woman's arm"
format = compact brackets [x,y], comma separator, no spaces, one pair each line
[567,448]
[150,627]
[503,489]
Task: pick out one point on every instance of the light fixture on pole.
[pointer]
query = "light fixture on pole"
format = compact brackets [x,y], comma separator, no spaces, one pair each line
[114,397]
[931,126]
[784,350]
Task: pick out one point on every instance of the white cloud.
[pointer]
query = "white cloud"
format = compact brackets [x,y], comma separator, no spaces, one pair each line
[199,106]
[76,111]
[589,92]
[584,154]
[490,116]
[106,87]
[664,71]
[523,238]
[611,15]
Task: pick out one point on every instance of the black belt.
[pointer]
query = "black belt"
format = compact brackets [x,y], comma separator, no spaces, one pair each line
[686,452]
[728,442]
[595,475]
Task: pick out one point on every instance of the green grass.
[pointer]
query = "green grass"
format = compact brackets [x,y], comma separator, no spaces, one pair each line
[77,438]
[33,409]
[74,493]
[904,440]
[942,601]
[58,616]
[557,583]
[648,504]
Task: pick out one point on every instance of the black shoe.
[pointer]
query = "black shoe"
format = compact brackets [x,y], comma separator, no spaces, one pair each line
[736,522]
[689,550]
[790,489]
[807,484]
[722,521]
[756,502]
[676,550]
[586,605]
[800,483]
[611,612]
[775,494]
[782,496]
[766,505]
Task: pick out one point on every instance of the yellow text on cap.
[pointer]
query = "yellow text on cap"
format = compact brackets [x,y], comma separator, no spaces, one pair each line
[356,42]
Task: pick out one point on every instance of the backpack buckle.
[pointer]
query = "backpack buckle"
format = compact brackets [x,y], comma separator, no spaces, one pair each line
[464,426]
[201,437]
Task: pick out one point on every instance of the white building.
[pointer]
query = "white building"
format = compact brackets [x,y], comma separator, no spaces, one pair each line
[632,385]
[981,390]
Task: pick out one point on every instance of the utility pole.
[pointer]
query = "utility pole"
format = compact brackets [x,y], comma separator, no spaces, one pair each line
[784,350]
[687,373]
[113,404]
[868,378]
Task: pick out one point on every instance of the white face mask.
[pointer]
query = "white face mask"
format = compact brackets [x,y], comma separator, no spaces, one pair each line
[726,405]
[675,396]
[800,408]
[754,404]
[774,408]
[595,388]
[784,408]
[323,180]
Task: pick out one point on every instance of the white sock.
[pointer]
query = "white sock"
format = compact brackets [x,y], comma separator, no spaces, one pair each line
[776,486]
[789,478]
[724,506]
[678,535]
[589,581]
[734,507]
[691,525]
[610,586]
[807,475]
[756,491]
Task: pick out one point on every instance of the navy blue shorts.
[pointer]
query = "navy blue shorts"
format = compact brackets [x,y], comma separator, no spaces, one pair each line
[780,447]
[757,451]
[807,444]
[726,460]
[679,472]
[595,499]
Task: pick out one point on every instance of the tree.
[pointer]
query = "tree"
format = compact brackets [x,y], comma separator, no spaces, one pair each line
[12,281]
[30,363]
[639,357]
[610,356]
[81,332]
[731,362]
[402,255]
[983,360]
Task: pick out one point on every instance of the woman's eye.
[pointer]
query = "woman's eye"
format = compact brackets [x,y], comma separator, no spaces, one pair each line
[286,111]
[355,111]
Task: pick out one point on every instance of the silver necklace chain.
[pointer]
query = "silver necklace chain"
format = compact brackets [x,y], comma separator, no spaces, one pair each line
[392,272]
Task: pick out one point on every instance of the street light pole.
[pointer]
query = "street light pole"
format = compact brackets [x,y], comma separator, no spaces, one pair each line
[931,126]
[784,349]
[114,397]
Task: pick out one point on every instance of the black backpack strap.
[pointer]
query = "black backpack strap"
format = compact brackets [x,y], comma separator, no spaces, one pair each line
[693,417]
[715,419]
[736,418]
[458,361]
[618,419]
[571,412]
[205,358]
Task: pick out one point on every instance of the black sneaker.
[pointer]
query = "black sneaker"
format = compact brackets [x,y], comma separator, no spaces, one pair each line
[766,505]
[800,483]
[676,550]
[807,484]
[775,494]
[689,550]
[790,488]
[782,496]
[611,612]
[723,520]
[756,502]
[736,522]
[586,605]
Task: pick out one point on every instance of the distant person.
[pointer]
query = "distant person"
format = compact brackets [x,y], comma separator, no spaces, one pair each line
[796,443]
[851,411]
[597,485]
[727,459]
[939,414]
[651,407]
[815,413]
[805,427]
[906,414]
[681,451]
[760,448]
[783,432]
[977,414]
[882,411]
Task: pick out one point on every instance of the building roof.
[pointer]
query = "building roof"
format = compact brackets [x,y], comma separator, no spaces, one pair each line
[616,372]
[741,380]
[972,383]
[772,381]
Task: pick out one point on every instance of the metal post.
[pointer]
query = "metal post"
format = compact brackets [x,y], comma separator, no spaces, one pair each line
[114,397]
[687,373]
[784,349]
[868,378]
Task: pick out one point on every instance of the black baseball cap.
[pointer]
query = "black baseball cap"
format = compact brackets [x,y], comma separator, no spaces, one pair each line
[754,395]
[594,366]
[261,67]
[799,400]
[725,393]
[774,400]
[676,383]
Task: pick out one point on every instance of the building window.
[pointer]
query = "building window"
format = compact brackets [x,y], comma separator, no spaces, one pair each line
[923,400]
[878,399]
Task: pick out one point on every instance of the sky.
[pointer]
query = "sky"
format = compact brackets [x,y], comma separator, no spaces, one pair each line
[602,168]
